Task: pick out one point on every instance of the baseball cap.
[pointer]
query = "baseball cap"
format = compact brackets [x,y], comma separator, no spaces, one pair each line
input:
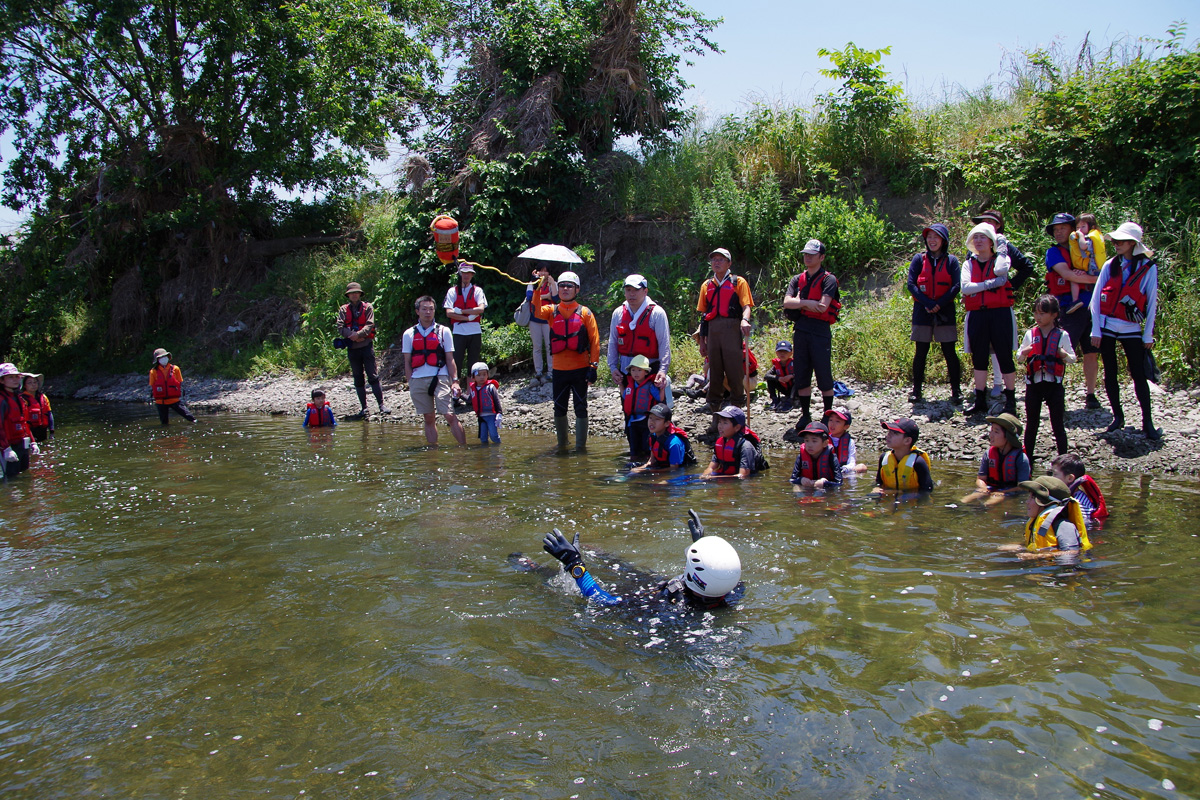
[734,414]
[782,345]
[839,411]
[636,281]
[721,251]
[905,426]
[660,410]
[818,428]
[1060,218]
[813,247]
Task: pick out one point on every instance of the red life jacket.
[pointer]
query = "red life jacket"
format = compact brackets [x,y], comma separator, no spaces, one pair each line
[1044,355]
[638,339]
[1057,284]
[820,467]
[660,447]
[722,300]
[728,451]
[991,298]
[322,419]
[783,370]
[37,411]
[1094,494]
[461,301]
[1002,470]
[811,290]
[355,321]
[842,448]
[568,333]
[749,356]
[483,398]
[638,398]
[934,279]
[163,384]
[13,407]
[428,349]
[1116,288]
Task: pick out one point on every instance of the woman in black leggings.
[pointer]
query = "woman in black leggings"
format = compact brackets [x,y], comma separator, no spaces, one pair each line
[988,298]
[933,282]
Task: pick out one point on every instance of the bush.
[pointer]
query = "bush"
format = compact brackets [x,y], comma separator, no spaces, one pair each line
[857,239]
[743,218]
[505,347]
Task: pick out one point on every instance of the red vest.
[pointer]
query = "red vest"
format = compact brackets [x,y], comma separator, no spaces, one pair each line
[1116,288]
[461,301]
[660,452]
[842,448]
[722,301]
[638,339]
[934,279]
[728,451]
[37,411]
[811,290]
[1002,470]
[783,370]
[638,398]
[820,467]
[427,349]
[1044,355]
[483,398]
[164,385]
[12,405]
[991,298]
[568,333]
[1094,494]
[323,418]
[1057,284]
[355,321]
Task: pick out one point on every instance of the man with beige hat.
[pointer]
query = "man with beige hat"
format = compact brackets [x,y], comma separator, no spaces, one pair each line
[356,322]
[725,304]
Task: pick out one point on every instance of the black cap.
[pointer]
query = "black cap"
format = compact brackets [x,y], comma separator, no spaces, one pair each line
[660,410]
[905,426]
[818,428]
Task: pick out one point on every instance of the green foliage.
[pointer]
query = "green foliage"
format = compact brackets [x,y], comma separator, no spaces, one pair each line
[744,219]
[672,285]
[857,239]
[505,346]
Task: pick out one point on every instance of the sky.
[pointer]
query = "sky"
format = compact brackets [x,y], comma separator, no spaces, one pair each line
[938,47]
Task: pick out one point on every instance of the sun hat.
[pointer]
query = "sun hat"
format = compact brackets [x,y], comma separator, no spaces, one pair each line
[721,251]
[1061,218]
[813,247]
[1129,232]
[986,230]
[1047,489]
[37,376]
[353,287]
[8,368]
[905,426]
[636,281]
[465,266]
[1011,425]
[641,362]
[993,216]
[160,352]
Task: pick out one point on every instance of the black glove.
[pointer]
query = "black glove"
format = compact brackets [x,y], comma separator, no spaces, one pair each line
[695,525]
[592,377]
[567,552]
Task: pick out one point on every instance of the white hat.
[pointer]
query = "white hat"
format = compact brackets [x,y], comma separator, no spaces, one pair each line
[479,366]
[1129,232]
[569,277]
[465,266]
[813,247]
[636,281]
[984,228]
[721,251]
[8,368]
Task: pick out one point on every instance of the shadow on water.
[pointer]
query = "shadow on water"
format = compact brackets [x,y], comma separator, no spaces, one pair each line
[242,608]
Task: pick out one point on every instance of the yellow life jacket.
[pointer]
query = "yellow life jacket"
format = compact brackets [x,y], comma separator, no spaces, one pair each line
[1041,531]
[900,474]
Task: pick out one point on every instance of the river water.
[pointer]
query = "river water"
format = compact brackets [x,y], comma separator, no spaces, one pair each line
[241,609]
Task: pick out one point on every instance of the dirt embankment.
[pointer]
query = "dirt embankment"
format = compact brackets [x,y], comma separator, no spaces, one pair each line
[945,433]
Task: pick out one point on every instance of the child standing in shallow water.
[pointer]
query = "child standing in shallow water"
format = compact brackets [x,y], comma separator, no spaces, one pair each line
[318,414]
[484,395]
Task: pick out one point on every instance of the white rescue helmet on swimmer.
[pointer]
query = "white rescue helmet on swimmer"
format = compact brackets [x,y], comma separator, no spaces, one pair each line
[711,567]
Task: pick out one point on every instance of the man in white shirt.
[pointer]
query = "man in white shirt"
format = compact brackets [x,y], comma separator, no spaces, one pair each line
[464,305]
[428,350]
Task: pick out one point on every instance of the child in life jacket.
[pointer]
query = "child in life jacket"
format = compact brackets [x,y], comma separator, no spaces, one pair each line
[780,377]
[1004,465]
[638,396]
[16,444]
[1087,253]
[1056,527]
[318,413]
[817,465]
[669,446]
[1046,350]
[1069,469]
[484,396]
[903,467]
[838,420]
[41,417]
[737,452]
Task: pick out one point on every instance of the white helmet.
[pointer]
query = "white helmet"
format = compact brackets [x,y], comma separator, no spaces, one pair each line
[711,567]
[569,277]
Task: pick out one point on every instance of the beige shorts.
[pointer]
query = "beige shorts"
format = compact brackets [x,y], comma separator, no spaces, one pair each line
[423,401]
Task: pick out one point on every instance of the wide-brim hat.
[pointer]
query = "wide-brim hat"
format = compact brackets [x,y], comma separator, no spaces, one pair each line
[160,352]
[353,287]
[986,230]
[1129,232]
[993,216]
[1047,489]
[641,362]
[8,368]
[1011,425]
[39,379]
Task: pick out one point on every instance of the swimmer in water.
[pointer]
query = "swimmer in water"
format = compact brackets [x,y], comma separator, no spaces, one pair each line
[711,577]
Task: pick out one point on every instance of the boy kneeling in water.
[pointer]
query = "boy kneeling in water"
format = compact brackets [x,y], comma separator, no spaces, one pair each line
[737,452]
[817,466]
[1055,525]
[1004,465]
[669,447]
[903,467]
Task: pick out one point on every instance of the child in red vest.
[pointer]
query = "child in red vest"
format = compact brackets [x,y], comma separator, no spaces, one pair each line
[638,396]
[817,465]
[1069,469]
[318,414]
[484,395]
[780,377]
[1046,351]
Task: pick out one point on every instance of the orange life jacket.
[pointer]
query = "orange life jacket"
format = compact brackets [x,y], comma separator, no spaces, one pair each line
[428,349]
[165,387]
[990,298]
[637,339]
[568,333]
[37,410]
[722,300]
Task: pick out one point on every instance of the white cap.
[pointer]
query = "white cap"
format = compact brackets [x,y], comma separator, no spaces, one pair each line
[569,277]
[721,251]
[636,281]
[1129,232]
[479,366]
[465,267]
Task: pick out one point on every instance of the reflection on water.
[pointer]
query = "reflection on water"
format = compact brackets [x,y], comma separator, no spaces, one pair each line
[241,608]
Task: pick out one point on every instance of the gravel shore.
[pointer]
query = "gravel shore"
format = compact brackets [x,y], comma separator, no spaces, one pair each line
[945,433]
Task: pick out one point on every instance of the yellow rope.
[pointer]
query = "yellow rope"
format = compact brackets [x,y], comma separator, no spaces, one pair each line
[502,272]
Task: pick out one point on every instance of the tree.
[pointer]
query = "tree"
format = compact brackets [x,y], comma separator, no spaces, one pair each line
[160,128]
